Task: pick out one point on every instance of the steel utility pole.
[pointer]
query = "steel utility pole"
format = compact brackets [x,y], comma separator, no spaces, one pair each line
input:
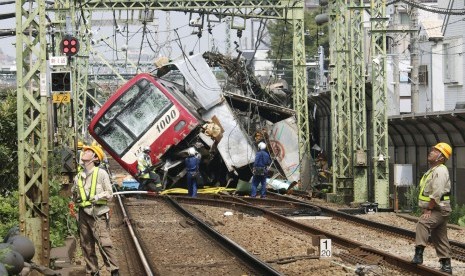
[359,120]
[32,111]
[395,61]
[341,117]
[414,56]
[348,123]
[379,105]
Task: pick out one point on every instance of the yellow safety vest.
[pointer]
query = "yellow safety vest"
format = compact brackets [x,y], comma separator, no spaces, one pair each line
[423,180]
[85,201]
[143,163]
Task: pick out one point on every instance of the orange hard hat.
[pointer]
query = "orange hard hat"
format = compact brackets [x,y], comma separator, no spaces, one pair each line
[444,148]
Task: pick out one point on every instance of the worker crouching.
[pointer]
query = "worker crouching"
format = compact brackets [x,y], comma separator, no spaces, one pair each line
[149,179]
[435,201]
[91,191]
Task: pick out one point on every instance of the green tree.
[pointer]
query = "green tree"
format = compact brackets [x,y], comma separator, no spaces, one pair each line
[281,34]
[9,212]
[8,142]
[61,224]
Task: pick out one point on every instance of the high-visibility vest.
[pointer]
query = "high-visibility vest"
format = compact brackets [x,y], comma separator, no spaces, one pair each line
[85,201]
[423,181]
[144,162]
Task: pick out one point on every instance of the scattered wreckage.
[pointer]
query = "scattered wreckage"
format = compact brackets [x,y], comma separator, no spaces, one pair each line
[223,122]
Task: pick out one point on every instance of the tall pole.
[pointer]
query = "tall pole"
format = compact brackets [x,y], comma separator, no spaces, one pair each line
[359,130]
[341,117]
[379,105]
[33,140]
[414,57]
[300,88]
[395,61]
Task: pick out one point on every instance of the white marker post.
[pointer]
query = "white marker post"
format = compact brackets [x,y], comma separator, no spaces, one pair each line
[325,248]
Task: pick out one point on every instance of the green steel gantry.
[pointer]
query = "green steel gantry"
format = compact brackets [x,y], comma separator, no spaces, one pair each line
[359,131]
[340,67]
[33,92]
[82,63]
[32,110]
[350,154]
[379,134]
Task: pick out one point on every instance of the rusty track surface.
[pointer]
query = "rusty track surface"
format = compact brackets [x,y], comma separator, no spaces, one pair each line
[234,256]
[458,248]
[357,251]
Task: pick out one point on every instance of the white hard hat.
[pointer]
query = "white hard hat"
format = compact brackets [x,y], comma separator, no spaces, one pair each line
[146,149]
[191,151]
[261,145]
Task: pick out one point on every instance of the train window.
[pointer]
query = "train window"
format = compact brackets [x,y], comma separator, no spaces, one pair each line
[179,125]
[140,114]
[117,138]
[120,104]
[131,115]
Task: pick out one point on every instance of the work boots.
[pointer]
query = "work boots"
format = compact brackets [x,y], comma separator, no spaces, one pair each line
[445,265]
[418,258]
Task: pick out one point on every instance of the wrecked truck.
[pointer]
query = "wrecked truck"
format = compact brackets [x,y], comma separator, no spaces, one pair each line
[183,105]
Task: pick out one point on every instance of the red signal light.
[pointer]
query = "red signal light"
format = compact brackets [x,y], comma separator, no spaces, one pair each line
[69,46]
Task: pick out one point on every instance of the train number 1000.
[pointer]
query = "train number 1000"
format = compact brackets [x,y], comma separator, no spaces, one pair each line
[166,120]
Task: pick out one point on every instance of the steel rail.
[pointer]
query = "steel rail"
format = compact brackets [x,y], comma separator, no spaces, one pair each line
[281,205]
[256,264]
[458,248]
[148,269]
[387,258]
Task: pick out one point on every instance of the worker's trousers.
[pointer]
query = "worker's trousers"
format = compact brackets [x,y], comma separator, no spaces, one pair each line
[258,179]
[436,226]
[95,231]
[191,184]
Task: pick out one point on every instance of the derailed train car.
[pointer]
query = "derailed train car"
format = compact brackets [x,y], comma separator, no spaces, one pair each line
[184,106]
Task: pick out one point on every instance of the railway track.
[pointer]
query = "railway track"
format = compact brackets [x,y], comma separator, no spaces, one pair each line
[170,241]
[160,237]
[349,250]
[458,248]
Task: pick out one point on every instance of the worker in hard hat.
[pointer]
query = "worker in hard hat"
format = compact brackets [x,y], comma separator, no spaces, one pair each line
[192,163]
[148,179]
[104,164]
[434,199]
[91,192]
[260,170]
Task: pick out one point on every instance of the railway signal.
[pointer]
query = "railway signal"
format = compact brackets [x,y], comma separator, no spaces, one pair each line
[69,45]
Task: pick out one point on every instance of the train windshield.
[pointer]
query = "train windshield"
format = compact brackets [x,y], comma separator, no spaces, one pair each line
[129,117]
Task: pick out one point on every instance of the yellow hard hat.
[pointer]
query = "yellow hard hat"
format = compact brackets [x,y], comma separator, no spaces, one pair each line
[97,150]
[80,145]
[444,148]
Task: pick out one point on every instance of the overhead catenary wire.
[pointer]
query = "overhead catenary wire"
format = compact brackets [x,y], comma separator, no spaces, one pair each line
[430,9]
